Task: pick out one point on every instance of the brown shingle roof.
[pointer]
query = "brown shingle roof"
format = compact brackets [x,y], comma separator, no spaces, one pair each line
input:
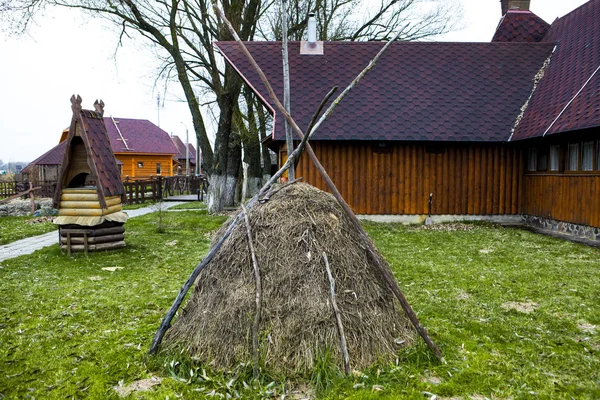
[417,91]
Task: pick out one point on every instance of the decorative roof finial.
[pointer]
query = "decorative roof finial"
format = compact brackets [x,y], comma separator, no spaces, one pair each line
[99,107]
[76,103]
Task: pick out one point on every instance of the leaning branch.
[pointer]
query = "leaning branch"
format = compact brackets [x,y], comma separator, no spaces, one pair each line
[257,316]
[338,316]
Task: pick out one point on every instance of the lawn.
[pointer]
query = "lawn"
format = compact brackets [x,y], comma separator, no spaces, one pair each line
[15,228]
[517,315]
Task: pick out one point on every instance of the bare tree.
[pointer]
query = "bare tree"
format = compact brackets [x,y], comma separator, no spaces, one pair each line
[359,20]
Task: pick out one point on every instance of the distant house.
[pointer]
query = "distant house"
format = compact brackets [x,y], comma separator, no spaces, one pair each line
[141,148]
[181,159]
[503,130]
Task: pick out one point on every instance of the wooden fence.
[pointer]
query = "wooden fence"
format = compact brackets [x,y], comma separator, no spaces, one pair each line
[137,191]
[155,189]
[7,189]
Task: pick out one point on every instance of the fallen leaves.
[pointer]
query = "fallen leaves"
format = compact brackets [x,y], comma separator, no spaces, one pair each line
[111,269]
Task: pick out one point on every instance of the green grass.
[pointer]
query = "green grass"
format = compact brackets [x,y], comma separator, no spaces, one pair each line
[191,205]
[64,335]
[16,228]
[148,203]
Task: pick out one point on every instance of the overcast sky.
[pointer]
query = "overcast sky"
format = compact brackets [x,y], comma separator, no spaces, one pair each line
[66,54]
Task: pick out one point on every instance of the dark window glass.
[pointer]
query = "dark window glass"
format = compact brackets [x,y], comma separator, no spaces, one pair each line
[532,159]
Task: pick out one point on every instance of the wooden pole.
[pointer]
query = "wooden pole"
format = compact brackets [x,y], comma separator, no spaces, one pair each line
[338,316]
[257,278]
[370,247]
[289,139]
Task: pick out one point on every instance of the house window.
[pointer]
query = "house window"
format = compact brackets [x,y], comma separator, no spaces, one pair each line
[587,156]
[542,161]
[120,166]
[573,161]
[140,164]
[532,159]
[554,158]
[158,168]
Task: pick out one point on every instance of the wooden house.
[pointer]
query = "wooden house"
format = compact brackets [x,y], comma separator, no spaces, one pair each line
[506,130]
[142,150]
[184,157]
[89,191]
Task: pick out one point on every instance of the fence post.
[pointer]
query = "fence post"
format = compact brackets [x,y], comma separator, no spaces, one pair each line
[32,197]
[160,194]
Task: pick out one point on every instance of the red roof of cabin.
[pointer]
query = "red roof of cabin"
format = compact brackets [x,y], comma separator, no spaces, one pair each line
[181,150]
[520,26]
[576,59]
[54,156]
[141,135]
[417,91]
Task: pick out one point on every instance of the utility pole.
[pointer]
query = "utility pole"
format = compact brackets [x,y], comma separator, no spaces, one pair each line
[289,140]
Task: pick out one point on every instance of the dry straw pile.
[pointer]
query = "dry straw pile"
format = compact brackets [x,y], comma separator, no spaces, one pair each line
[290,232]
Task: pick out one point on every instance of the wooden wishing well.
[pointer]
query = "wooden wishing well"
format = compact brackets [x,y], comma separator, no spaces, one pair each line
[89,192]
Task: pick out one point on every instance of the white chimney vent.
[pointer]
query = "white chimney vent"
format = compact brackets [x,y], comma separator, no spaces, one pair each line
[311,46]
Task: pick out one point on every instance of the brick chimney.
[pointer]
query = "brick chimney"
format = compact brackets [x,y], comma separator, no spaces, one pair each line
[522,5]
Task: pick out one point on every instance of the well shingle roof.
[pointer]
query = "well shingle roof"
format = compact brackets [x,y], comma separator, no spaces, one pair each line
[576,58]
[520,26]
[101,153]
[417,91]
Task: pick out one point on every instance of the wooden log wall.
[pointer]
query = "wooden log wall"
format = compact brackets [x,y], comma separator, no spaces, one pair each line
[565,197]
[475,179]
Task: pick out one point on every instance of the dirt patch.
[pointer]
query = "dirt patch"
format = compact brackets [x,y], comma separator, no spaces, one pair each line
[523,307]
[142,385]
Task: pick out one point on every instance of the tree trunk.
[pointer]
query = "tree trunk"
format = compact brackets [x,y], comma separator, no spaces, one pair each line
[234,160]
[252,144]
[216,183]
[265,152]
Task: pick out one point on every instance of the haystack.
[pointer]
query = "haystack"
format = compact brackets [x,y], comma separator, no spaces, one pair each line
[290,233]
